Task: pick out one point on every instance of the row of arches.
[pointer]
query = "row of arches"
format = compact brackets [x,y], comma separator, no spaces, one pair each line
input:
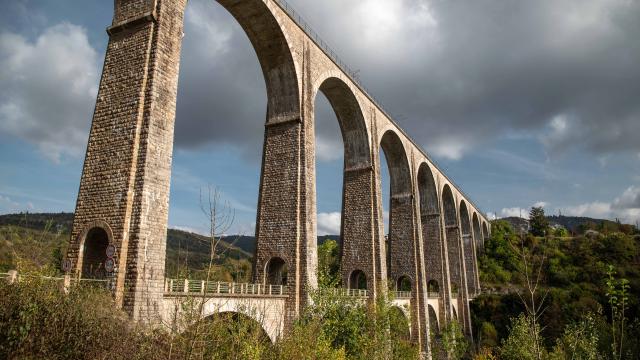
[295,72]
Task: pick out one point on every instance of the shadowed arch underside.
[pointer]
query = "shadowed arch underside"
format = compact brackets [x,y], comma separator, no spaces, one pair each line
[401,256]
[468,248]
[404,252]
[274,53]
[358,245]
[434,247]
[477,248]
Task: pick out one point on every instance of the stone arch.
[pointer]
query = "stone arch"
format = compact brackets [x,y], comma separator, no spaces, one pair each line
[231,314]
[397,162]
[357,172]
[400,257]
[454,249]
[273,48]
[449,205]
[227,318]
[276,272]
[353,126]
[468,248]
[434,321]
[485,232]
[433,287]
[455,289]
[400,324]
[434,247]
[404,283]
[357,280]
[93,242]
[478,239]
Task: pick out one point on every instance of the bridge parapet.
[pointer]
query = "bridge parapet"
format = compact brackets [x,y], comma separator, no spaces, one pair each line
[401,294]
[191,287]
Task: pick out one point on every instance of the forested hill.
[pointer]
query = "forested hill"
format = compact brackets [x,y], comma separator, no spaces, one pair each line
[42,238]
[577,276]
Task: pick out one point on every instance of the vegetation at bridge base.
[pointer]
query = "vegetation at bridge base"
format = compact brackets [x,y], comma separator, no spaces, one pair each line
[589,289]
[38,322]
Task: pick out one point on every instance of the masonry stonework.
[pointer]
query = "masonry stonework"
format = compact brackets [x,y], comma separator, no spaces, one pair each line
[125,180]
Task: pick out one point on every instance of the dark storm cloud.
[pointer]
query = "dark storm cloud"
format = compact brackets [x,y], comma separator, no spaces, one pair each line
[456,74]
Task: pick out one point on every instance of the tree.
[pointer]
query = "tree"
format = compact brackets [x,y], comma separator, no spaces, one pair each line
[533,260]
[579,341]
[618,294]
[538,222]
[329,264]
[220,217]
[524,341]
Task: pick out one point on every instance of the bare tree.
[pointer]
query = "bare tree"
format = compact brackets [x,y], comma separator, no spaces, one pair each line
[220,218]
[532,266]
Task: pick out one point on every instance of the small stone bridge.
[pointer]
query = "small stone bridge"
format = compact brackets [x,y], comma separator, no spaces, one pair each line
[266,304]
[435,230]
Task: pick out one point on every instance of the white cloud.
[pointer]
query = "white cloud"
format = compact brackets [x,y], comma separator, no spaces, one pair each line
[540,204]
[595,209]
[8,205]
[328,150]
[448,147]
[215,34]
[329,223]
[49,89]
[514,212]
[625,207]
[630,199]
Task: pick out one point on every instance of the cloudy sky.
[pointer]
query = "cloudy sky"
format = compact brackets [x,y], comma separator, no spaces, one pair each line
[520,102]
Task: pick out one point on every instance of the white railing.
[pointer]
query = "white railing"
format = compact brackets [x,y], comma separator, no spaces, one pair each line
[402,294]
[349,292]
[433,295]
[186,286]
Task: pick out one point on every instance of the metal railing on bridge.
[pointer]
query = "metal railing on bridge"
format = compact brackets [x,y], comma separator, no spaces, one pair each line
[185,286]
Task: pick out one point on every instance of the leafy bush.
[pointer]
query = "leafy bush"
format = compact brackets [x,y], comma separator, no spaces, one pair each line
[38,321]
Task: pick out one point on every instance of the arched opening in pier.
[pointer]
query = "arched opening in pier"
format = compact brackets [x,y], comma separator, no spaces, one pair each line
[433,288]
[94,254]
[276,272]
[403,284]
[357,280]
[400,247]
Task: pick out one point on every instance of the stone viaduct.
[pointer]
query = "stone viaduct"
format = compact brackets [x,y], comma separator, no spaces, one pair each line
[435,230]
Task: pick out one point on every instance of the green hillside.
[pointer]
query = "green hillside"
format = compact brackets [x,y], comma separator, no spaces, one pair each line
[41,240]
[573,282]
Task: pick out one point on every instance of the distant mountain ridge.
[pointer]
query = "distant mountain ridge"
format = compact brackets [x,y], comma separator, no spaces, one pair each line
[236,246]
